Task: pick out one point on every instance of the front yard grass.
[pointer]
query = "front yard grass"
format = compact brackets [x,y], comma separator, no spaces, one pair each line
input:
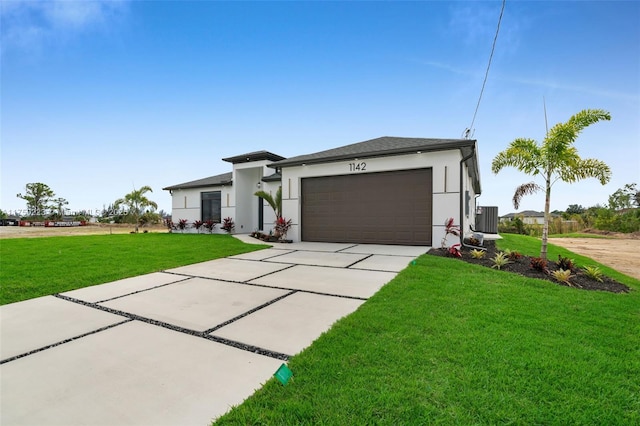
[33,267]
[447,342]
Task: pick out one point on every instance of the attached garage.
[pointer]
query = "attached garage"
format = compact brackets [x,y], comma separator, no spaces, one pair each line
[392,207]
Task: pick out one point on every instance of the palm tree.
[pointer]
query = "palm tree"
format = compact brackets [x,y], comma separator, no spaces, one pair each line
[274,202]
[136,202]
[555,159]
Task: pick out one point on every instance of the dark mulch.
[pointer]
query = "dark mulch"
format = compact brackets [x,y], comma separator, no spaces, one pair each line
[523,267]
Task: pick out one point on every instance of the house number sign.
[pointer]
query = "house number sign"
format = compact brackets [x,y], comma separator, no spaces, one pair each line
[358,167]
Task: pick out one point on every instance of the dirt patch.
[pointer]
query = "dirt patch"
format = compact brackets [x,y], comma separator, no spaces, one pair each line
[91,229]
[623,255]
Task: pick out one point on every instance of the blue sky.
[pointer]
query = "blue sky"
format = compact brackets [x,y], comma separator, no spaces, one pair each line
[100,97]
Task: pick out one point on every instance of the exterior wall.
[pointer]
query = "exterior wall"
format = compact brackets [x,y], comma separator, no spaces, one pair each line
[446,183]
[247,180]
[186,203]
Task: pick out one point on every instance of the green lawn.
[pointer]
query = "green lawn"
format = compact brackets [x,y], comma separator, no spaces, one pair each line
[33,267]
[447,342]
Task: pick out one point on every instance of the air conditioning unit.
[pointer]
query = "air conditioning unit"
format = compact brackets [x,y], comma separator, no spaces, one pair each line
[487,219]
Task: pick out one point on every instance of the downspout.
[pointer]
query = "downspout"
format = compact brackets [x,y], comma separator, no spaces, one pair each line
[462,228]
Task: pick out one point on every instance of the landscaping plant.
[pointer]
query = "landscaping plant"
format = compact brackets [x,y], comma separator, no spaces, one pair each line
[197,224]
[555,159]
[228,225]
[500,260]
[449,229]
[477,254]
[562,275]
[593,272]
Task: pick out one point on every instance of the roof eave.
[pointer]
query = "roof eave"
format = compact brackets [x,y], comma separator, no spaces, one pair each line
[386,153]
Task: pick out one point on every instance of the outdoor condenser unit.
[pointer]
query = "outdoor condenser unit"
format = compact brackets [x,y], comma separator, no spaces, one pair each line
[487,219]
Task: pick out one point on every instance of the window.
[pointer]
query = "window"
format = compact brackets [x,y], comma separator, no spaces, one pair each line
[211,204]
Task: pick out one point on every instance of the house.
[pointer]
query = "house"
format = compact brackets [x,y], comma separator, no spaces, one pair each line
[388,190]
[528,217]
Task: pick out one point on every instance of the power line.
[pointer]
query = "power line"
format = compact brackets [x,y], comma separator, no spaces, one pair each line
[486,74]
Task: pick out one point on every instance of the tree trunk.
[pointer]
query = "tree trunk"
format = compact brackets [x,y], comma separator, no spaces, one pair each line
[545,226]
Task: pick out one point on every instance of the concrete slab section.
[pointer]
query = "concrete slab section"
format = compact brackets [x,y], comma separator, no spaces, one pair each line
[36,323]
[261,254]
[311,246]
[98,293]
[196,304]
[379,262]
[343,282]
[132,374]
[229,269]
[413,251]
[337,260]
[290,324]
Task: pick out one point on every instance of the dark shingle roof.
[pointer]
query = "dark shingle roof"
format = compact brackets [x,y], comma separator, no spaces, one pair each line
[386,145]
[218,180]
[253,156]
[276,177]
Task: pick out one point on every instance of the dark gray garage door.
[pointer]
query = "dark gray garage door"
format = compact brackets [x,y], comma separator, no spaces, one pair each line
[379,208]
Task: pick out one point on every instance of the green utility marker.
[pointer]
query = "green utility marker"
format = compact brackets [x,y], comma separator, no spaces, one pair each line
[283,374]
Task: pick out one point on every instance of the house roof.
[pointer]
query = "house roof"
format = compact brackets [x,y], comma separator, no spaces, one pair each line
[524,213]
[218,180]
[387,146]
[276,177]
[253,156]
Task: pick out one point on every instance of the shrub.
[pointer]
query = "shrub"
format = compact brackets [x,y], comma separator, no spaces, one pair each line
[197,224]
[593,272]
[566,263]
[169,224]
[500,260]
[539,264]
[477,254]
[454,250]
[282,227]
[513,255]
[228,225]
[210,225]
[182,224]
[562,275]
[449,229]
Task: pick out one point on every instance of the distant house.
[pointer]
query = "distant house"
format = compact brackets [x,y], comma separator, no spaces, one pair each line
[388,190]
[528,217]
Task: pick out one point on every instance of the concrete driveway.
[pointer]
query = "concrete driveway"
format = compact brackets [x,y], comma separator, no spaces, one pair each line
[182,346]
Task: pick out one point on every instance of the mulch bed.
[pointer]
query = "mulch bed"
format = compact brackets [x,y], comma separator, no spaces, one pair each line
[522,266]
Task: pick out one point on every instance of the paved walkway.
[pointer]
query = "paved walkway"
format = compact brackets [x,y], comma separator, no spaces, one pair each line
[182,346]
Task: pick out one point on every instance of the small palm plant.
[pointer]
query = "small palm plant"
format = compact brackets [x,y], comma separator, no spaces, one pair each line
[563,276]
[500,260]
[593,272]
[477,254]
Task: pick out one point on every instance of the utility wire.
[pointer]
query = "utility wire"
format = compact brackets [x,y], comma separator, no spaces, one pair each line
[495,39]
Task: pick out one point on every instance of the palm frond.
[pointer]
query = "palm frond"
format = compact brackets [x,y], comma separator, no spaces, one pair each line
[524,189]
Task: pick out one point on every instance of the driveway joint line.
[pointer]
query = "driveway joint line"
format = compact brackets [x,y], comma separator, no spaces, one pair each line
[249,312]
[183,330]
[143,290]
[283,288]
[358,261]
[346,248]
[71,339]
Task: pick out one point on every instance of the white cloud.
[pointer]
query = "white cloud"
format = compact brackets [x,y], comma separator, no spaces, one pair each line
[29,25]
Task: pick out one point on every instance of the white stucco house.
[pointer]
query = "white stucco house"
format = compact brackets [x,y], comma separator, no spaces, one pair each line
[389,190]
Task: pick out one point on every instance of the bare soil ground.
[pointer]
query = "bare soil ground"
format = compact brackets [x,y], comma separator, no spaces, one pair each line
[621,254]
[91,229]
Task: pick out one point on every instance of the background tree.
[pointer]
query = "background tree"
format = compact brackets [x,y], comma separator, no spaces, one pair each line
[575,209]
[624,198]
[555,159]
[58,207]
[37,195]
[136,203]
